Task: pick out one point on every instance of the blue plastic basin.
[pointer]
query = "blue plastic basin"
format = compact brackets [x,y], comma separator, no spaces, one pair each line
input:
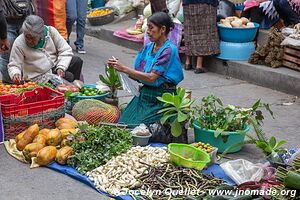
[236,51]
[98,97]
[237,35]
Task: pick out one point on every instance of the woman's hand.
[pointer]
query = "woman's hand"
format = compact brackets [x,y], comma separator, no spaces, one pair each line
[115,63]
[16,78]
[4,45]
[60,73]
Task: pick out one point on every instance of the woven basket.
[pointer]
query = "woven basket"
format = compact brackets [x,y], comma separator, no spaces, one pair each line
[103,19]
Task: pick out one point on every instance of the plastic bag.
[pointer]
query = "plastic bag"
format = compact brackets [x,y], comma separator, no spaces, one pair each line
[174,6]
[141,130]
[127,84]
[241,171]
[57,80]
[122,6]
[225,9]
[290,41]
[136,3]
[161,133]
[101,86]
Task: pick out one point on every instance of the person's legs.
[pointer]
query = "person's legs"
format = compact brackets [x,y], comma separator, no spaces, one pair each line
[80,26]
[286,12]
[188,63]
[199,68]
[75,68]
[12,34]
[71,10]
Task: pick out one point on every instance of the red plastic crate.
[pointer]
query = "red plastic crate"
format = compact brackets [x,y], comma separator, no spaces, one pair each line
[42,106]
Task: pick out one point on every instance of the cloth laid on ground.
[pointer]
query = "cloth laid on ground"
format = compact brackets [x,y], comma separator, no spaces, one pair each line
[122,33]
[214,169]
[11,148]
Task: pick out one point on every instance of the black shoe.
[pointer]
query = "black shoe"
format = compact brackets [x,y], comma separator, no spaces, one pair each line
[188,67]
[199,70]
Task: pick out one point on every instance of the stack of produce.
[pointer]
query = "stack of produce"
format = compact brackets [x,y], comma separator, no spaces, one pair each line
[16,89]
[94,146]
[270,54]
[121,172]
[45,146]
[235,22]
[290,177]
[205,147]
[177,178]
[95,111]
[99,12]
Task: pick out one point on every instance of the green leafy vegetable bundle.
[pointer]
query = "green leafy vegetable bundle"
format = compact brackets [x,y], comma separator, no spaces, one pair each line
[94,146]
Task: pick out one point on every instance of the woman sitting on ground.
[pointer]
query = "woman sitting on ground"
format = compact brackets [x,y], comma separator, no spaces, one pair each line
[158,67]
[252,11]
[39,51]
[288,11]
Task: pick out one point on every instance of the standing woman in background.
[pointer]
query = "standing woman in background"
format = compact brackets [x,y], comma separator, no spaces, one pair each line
[200,31]
[76,11]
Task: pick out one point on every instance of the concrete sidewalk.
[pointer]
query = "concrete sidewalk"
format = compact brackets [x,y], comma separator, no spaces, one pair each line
[281,79]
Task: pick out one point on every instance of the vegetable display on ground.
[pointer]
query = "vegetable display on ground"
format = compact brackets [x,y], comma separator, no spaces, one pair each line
[94,146]
[122,171]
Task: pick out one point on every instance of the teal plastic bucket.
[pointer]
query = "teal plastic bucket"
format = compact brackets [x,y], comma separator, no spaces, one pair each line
[207,136]
[97,3]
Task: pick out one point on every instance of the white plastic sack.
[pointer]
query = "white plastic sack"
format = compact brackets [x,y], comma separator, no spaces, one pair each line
[287,31]
[241,171]
[290,41]
[136,3]
[122,6]
[142,129]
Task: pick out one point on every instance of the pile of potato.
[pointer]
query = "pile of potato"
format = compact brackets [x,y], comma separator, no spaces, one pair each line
[47,145]
[235,22]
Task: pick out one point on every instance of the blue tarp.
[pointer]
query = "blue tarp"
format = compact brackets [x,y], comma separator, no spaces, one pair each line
[214,170]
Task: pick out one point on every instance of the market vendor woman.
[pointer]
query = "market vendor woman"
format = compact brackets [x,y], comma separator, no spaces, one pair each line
[158,67]
[39,51]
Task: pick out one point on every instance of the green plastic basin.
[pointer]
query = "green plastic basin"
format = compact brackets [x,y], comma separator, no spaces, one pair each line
[207,136]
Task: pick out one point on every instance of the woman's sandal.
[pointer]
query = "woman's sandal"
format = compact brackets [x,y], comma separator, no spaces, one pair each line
[188,67]
[200,70]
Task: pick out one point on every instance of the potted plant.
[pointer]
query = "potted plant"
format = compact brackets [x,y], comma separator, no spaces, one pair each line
[224,126]
[112,80]
[177,113]
[270,147]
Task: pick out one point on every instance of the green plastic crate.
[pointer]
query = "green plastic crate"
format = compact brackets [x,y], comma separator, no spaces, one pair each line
[180,155]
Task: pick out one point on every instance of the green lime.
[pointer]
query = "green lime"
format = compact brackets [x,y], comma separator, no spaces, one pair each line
[83,95]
